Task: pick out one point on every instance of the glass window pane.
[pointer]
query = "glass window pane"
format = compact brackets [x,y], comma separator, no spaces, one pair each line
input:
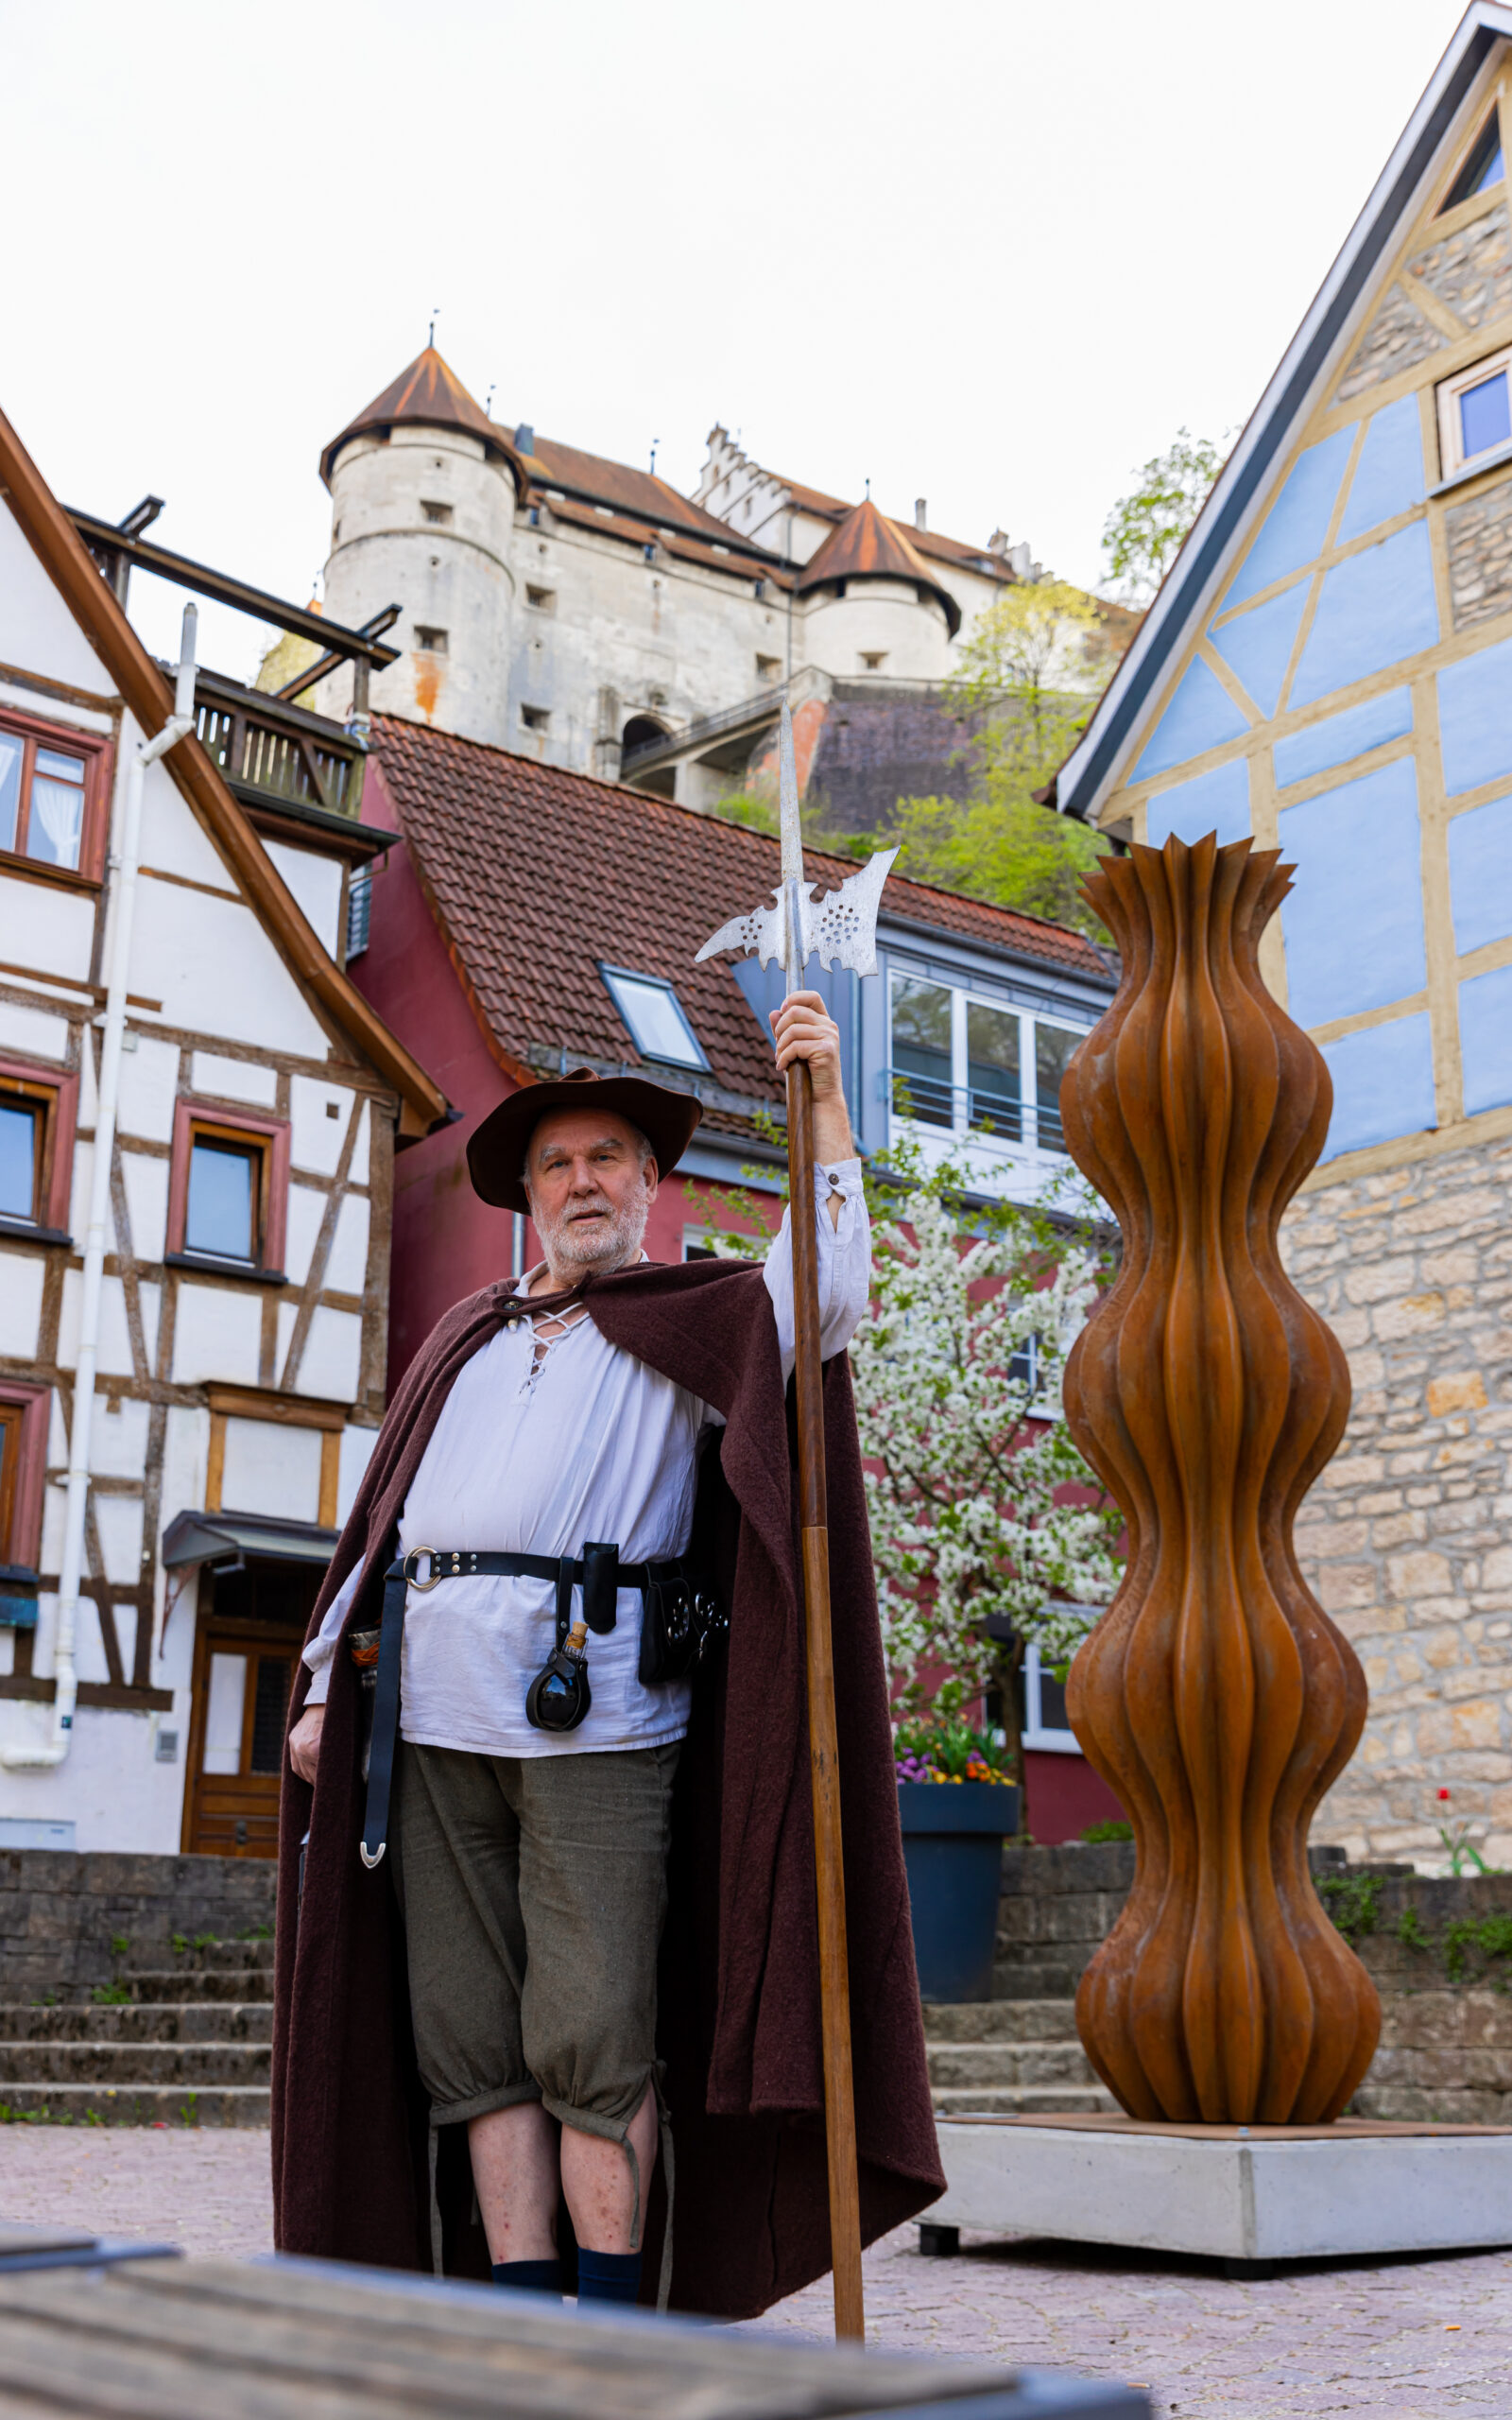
[1053,1050]
[1484,417]
[992,1069]
[655,1020]
[19,1138]
[55,823]
[12,753]
[921,1049]
[223,1715]
[219,1218]
[269,1705]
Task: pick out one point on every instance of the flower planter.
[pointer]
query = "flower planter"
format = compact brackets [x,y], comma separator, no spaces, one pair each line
[952,1848]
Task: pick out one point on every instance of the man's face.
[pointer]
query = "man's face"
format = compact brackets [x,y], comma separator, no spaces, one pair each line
[590,1195]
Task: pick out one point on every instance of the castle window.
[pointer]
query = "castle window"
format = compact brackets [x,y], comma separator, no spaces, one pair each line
[536,717]
[769,668]
[544,600]
[429,640]
[440,514]
[1485,166]
[534,516]
[873,662]
[654,1018]
[761,588]
[1475,412]
[649,552]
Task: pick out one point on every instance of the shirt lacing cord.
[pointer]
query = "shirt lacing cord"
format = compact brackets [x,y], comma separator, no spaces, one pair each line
[566,1324]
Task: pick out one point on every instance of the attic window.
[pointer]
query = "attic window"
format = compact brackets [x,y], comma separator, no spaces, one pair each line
[654,1018]
[544,600]
[1483,168]
[536,717]
[429,640]
[1475,412]
[440,514]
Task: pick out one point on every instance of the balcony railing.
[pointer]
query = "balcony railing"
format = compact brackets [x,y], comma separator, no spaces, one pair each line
[971,1108]
[277,753]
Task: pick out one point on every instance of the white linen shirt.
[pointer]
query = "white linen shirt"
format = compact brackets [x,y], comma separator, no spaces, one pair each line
[535,1459]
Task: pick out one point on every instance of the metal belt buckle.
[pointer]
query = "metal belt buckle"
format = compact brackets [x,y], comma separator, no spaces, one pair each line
[433,1555]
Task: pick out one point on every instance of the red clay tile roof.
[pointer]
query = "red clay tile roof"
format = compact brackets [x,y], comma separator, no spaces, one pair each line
[429,391]
[867,546]
[638,492]
[714,554]
[926,542]
[538,874]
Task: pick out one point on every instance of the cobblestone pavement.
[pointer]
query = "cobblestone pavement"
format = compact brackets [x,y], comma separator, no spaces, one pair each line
[1392,2340]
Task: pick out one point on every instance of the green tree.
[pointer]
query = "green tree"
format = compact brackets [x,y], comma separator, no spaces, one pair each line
[1144,530]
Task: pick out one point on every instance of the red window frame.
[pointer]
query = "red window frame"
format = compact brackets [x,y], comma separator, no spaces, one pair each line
[222,1121]
[59,1092]
[21,1534]
[97,753]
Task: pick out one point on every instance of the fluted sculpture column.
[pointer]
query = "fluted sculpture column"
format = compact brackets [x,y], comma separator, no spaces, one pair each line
[1216,1697]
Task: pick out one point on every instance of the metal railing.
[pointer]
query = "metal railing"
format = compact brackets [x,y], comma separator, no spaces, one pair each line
[973,1109]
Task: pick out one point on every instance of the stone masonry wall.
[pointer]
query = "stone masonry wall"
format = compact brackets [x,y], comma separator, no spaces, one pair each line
[60,1912]
[1439,1950]
[1407,1535]
[1480,555]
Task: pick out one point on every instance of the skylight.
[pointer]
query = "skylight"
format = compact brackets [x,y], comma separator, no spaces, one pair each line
[654,1016]
[1483,168]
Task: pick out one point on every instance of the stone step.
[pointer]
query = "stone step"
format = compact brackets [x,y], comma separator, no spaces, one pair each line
[1045,1981]
[1052,2020]
[142,2021]
[92,2104]
[1026,2100]
[205,1957]
[989,2066]
[203,1983]
[126,2065]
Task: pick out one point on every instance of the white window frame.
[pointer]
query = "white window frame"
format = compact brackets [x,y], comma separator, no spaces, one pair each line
[1056,1742]
[697,1064]
[960,1131]
[1451,455]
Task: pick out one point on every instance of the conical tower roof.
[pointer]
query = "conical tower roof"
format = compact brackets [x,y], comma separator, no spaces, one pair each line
[431,394]
[867,546]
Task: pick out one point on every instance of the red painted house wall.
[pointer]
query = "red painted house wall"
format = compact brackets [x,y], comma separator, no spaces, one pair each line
[447,1243]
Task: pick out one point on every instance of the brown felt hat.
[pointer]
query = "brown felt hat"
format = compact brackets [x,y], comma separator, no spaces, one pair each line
[496,1150]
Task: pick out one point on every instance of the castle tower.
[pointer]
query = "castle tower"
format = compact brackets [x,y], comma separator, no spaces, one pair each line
[423,490]
[874,608]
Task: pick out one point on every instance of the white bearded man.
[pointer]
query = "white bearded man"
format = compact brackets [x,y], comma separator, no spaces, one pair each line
[530,1862]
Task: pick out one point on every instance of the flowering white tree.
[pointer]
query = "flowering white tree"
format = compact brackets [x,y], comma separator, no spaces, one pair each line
[957,1371]
[957,1368]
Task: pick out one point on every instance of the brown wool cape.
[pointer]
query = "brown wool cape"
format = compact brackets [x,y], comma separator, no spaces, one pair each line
[739,1993]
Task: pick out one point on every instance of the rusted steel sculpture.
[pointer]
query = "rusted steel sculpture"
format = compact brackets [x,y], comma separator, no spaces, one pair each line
[1216,1697]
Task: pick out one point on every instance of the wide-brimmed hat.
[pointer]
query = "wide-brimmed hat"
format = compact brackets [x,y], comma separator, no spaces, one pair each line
[496,1150]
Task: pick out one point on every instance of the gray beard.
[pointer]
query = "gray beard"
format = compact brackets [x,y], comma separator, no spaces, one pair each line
[568,1248]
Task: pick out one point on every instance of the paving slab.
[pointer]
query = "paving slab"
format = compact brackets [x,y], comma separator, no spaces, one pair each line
[1383,2340]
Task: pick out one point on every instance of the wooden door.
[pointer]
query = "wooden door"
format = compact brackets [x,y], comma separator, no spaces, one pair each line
[243,1673]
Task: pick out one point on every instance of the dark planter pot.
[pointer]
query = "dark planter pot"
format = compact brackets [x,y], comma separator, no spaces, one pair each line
[952,1848]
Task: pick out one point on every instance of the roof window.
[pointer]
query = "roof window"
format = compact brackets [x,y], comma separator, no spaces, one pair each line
[429,640]
[654,1018]
[1484,167]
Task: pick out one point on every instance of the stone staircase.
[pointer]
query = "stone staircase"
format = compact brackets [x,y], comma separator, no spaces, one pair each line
[192,2047]
[1018,2057]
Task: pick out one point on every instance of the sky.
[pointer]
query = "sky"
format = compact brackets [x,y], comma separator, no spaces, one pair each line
[990,252]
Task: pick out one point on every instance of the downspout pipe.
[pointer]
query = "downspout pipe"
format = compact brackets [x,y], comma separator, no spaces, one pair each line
[124,868]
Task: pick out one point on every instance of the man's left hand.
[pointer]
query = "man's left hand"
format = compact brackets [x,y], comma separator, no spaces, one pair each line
[803,1028]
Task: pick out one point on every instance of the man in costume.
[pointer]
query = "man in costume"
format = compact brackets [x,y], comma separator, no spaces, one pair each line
[612,1422]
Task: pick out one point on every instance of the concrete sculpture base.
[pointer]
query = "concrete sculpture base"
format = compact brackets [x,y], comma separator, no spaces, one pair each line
[1249,2195]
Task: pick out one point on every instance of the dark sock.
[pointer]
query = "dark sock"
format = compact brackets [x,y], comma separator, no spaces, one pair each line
[608,2276]
[529,2276]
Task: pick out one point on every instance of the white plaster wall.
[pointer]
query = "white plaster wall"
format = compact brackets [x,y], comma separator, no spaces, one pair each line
[305,1211]
[36,627]
[118,1438]
[149,1080]
[51,930]
[21,1283]
[111,1788]
[29,1031]
[115,1337]
[314,1136]
[216,971]
[358,1171]
[877,617]
[217,1335]
[271,1467]
[356,1453]
[316,882]
[455,578]
[119,1519]
[219,1078]
[174,842]
[147,1204]
[185,1456]
[346,1270]
[333,1355]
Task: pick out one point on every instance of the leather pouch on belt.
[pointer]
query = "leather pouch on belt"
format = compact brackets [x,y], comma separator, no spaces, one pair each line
[601,1583]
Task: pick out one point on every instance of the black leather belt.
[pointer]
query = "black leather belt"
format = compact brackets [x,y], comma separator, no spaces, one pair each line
[598,1572]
